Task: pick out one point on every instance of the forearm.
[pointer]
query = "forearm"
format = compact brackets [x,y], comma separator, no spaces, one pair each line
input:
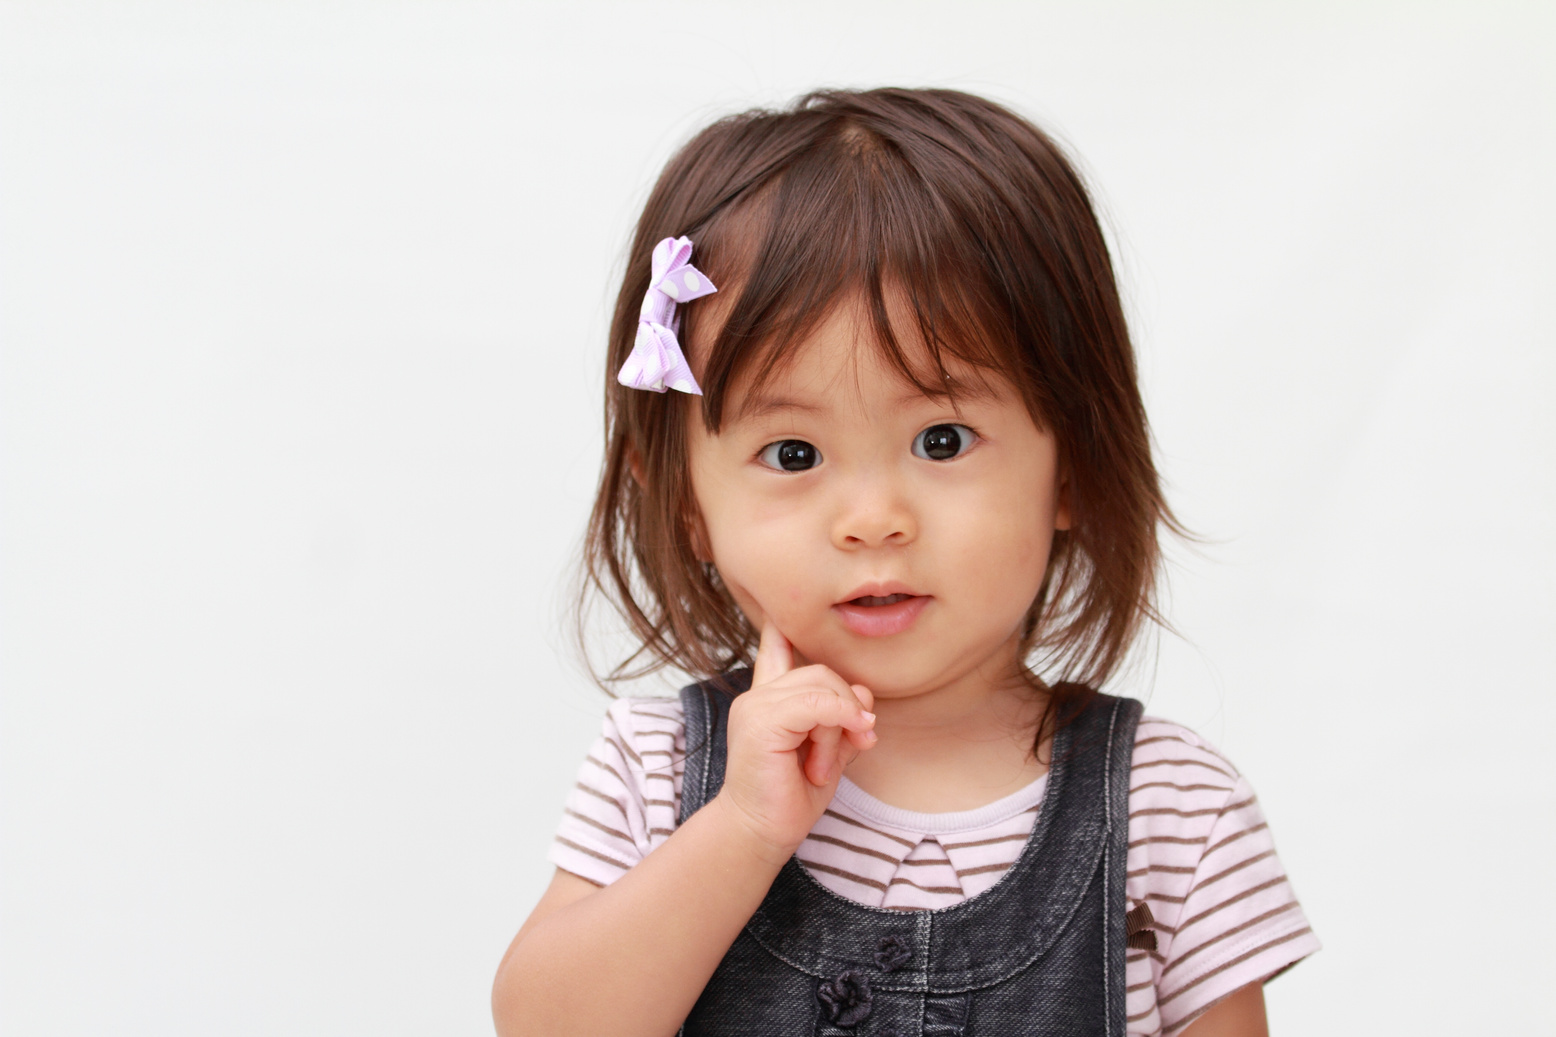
[631,959]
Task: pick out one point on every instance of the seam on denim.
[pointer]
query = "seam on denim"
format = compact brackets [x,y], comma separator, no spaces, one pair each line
[709,724]
[1107,873]
[924,934]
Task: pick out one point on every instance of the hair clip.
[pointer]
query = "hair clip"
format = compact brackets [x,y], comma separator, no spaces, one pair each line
[656,361]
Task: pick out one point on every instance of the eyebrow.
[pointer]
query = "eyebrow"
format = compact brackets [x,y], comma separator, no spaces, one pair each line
[954,390]
[759,405]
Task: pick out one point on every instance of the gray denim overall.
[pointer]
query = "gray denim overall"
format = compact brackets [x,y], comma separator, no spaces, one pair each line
[1041,952]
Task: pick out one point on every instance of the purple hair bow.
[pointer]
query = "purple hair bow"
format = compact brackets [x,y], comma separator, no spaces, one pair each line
[656,361]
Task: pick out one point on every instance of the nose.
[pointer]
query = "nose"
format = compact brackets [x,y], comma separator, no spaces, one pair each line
[874,512]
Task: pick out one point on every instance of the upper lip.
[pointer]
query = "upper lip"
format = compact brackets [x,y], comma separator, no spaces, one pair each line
[878,590]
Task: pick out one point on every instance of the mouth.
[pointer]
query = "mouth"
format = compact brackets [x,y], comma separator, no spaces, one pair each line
[880,611]
[873,601]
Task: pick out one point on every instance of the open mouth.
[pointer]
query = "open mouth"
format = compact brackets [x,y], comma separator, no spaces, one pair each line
[880,615]
[870,601]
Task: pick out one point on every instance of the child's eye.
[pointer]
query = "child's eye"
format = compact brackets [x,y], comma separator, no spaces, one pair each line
[790,455]
[943,442]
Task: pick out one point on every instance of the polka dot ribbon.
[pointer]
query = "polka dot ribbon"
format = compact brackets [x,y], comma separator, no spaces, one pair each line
[656,361]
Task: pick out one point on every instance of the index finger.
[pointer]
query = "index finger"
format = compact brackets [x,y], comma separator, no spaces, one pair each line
[774,656]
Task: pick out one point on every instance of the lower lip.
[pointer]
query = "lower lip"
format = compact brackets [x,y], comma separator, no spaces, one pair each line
[881,620]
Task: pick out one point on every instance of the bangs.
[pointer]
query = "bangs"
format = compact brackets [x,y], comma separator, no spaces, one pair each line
[855,220]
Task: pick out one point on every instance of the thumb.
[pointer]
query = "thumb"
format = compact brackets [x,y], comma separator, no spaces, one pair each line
[774,656]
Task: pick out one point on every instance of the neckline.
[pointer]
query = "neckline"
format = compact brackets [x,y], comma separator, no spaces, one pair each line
[941,823]
[989,937]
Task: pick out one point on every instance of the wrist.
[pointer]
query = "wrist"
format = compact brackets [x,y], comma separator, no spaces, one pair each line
[747,835]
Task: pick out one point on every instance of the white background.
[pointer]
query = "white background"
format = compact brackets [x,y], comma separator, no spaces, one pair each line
[303,312]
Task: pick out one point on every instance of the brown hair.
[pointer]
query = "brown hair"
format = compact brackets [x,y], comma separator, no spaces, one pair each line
[974,218]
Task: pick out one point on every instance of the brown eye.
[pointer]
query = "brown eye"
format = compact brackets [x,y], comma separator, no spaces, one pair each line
[790,455]
[943,442]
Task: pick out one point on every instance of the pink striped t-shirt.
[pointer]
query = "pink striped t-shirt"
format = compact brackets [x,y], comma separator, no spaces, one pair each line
[1200,853]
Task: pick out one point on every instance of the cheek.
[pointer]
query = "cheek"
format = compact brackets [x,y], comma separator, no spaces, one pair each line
[1008,555]
[1005,536]
[754,541]
[759,557]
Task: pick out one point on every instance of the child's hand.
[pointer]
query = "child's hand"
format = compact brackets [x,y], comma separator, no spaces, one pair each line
[790,737]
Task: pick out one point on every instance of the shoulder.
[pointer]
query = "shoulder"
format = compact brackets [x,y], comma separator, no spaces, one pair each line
[1181,788]
[1164,746]
[646,716]
[645,735]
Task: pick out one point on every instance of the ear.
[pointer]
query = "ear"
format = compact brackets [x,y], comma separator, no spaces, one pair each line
[1062,503]
[635,466]
[698,532]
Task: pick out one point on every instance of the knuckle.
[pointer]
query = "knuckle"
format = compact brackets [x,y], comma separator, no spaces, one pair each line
[825,701]
[817,698]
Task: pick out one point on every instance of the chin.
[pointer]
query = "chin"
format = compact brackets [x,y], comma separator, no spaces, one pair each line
[884,667]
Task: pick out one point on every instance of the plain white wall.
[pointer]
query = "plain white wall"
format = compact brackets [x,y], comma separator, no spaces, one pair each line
[302,311]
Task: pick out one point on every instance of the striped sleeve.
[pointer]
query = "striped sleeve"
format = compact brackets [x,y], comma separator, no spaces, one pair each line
[1202,859]
[624,802]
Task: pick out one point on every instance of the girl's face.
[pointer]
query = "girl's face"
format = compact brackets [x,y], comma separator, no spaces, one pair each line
[896,538]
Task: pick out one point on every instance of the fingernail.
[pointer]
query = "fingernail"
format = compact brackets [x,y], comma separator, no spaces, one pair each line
[868,716]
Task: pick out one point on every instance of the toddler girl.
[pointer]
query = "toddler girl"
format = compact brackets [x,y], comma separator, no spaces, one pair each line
[876,436]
